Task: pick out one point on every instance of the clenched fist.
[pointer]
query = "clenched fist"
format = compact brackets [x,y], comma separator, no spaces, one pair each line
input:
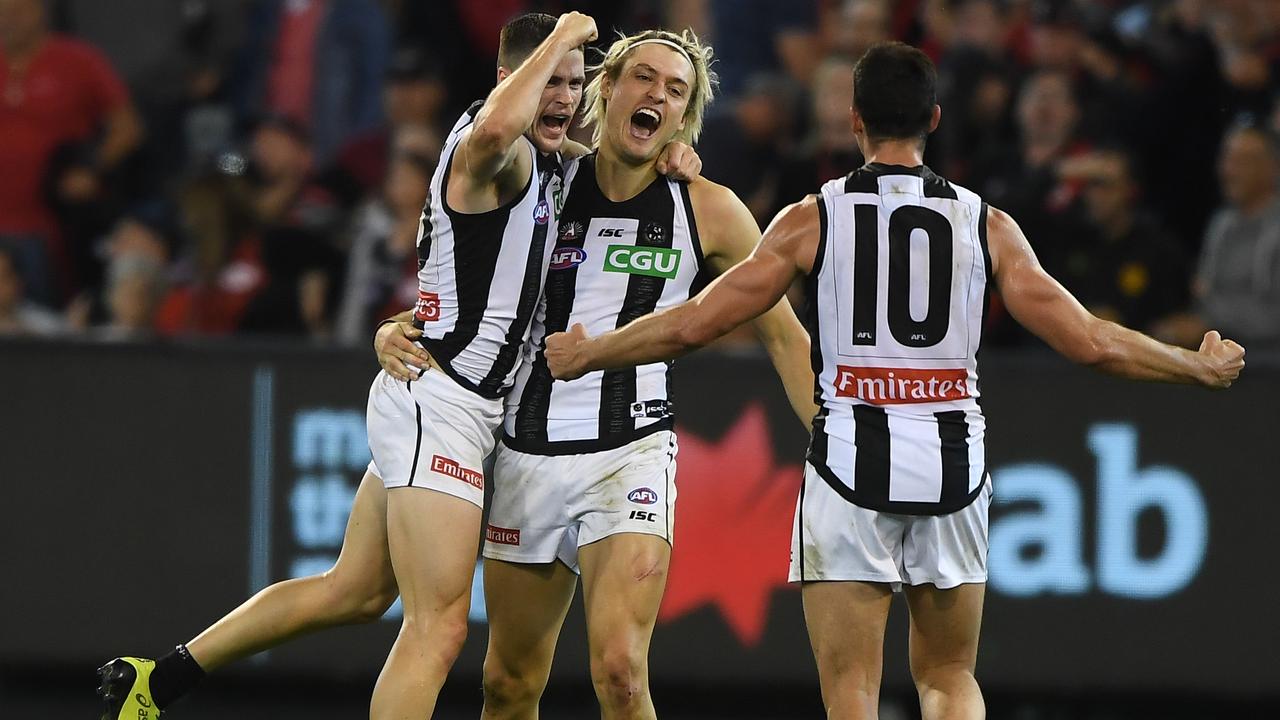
[678,162]
[576,28]
[564,353]
[1224,359]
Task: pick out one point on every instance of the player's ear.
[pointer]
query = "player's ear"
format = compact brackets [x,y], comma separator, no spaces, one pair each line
[503,73]
[936,117]
[855,121]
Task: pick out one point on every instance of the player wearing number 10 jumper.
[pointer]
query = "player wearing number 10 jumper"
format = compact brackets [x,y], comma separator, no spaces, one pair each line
[899,263]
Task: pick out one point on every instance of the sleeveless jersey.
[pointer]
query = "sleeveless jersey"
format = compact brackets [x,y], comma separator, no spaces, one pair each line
[480,275]
[613,263]
[896,302]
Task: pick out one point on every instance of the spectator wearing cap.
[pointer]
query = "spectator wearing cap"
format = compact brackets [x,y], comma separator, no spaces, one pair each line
[1237,279]
[317,62]
[55,91]
[412,100]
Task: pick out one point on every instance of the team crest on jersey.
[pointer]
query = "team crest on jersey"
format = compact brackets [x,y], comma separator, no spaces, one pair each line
[541,213]
[571,232]
[655,233]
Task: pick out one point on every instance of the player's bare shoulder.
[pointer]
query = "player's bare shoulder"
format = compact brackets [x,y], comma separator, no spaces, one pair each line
[797,231]
[714,203]
[1005,241]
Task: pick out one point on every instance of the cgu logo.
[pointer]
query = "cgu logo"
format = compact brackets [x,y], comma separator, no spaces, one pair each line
[565,258]
[654,262]
[643,496]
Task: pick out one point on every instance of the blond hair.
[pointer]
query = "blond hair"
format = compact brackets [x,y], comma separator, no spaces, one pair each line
[700,94]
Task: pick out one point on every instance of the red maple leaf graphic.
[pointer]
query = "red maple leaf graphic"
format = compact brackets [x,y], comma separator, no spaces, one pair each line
[733,526]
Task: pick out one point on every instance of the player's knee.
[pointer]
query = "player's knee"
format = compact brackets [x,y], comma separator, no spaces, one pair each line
[505,687]
[441,634]
[942,677]
[358,599]
[374,605]
[618,675]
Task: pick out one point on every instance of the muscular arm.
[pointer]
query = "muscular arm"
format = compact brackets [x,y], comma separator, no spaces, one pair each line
[489,160]
[730,238]
[747,290]
[1045,308]
[508,112]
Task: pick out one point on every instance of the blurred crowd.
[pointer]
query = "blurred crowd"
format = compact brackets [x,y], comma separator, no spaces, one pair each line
[175,168]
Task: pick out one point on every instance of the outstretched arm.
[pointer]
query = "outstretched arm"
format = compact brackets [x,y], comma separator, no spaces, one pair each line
[1045,308]
[745,291]
[730,236]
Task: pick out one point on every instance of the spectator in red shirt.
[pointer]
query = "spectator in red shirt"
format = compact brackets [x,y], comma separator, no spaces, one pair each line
[54,90]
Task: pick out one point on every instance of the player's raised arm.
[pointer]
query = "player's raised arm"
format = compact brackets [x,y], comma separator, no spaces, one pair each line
[748,289]
[515,104]
[729,237]
[1045,308]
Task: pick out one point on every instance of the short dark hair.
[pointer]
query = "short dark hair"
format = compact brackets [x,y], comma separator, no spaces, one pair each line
[895,89]
[522,36]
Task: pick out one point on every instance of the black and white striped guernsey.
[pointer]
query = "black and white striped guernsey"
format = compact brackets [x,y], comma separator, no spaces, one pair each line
[613,263]
[896,302]
[480,275]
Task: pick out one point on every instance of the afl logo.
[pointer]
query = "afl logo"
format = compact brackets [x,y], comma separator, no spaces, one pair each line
[565,258]
[541,213]
[643,496]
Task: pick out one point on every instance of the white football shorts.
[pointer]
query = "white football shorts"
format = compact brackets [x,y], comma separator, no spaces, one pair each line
[834,539]
[431,433]
[545,507]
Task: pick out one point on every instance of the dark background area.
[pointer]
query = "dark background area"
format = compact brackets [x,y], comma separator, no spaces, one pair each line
[131,521]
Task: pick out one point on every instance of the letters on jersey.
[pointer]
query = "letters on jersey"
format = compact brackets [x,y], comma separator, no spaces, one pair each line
[612,263]
[480,275]
[896,301]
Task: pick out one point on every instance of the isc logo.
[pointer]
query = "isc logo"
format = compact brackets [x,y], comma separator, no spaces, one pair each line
[642,515]
[643,496]
[610,232]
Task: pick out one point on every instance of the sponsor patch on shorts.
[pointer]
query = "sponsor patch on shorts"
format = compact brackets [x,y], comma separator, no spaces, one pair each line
[451,468]
[643,496]
[501,535]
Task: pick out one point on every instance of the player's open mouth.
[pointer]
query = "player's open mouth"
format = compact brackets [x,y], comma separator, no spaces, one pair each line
[645,122]
[554,124]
